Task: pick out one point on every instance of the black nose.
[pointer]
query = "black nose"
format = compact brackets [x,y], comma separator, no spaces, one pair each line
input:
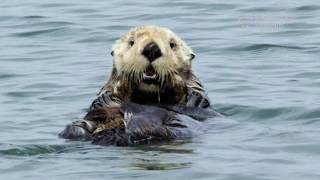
[151,51]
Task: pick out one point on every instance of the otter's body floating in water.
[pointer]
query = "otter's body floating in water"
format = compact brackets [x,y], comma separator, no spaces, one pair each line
[152,94]
[133,124]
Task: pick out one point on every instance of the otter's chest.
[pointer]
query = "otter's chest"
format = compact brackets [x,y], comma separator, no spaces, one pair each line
[169,96]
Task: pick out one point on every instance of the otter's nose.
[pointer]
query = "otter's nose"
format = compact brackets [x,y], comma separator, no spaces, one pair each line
[151,51]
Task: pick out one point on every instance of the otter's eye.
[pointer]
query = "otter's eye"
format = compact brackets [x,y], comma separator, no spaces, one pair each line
[172,45]
[131,42]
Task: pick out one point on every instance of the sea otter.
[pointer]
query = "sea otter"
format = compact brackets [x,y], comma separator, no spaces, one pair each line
[152,80]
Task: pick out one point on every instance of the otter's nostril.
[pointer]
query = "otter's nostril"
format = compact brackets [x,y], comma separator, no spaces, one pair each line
[151,51]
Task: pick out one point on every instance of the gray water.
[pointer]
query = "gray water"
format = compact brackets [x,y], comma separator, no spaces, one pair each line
[259,61]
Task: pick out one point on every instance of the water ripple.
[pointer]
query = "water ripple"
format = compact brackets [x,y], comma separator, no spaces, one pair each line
[264,47]
[308,8]
[32,150]
[38,32]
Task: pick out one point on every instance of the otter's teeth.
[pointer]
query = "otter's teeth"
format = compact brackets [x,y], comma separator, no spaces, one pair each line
[145,76]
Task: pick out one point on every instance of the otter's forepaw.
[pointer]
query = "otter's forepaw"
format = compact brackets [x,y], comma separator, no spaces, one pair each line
[197,99]
[78,130]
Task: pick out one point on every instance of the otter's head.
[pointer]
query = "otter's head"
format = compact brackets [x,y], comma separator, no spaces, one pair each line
[152,58]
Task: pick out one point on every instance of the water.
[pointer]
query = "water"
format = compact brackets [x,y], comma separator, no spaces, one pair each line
[258,60]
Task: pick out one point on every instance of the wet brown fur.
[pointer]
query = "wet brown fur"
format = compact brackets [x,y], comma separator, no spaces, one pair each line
[125,91]
[178,83]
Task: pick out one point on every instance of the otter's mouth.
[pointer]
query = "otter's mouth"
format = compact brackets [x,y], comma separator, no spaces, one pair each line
[150,76]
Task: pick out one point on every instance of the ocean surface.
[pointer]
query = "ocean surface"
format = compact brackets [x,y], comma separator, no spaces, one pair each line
[259,61]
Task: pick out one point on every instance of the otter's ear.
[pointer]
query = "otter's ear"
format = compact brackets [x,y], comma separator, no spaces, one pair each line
[192,56]
[112,53]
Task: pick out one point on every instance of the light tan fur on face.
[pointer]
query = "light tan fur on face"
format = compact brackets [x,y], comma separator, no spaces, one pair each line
[129,61]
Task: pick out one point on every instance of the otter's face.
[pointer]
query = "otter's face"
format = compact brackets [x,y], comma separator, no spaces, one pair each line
[152,58]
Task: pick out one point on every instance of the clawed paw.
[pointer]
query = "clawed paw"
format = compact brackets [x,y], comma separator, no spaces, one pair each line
[78,130]
[197,99]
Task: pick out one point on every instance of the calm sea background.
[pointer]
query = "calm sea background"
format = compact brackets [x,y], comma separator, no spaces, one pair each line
[259,61]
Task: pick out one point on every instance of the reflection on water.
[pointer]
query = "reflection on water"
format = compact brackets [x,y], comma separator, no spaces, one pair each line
[160,157]
[158,166]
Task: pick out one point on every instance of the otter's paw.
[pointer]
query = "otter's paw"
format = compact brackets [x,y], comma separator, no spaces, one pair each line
[78,130]
[197,99]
